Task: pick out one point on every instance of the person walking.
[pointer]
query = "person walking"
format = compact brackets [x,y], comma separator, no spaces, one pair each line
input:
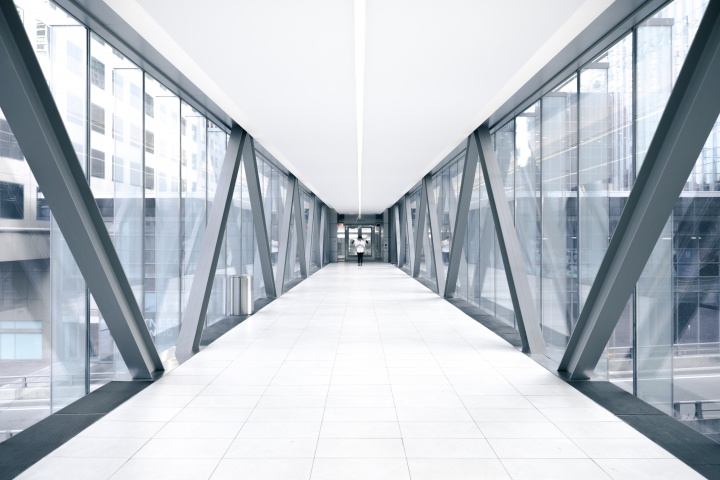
[360,249]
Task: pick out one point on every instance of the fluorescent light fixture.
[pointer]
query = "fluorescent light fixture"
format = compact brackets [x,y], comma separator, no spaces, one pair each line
[359,17]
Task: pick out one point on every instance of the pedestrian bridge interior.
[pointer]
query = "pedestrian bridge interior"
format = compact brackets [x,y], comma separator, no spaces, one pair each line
[181,293]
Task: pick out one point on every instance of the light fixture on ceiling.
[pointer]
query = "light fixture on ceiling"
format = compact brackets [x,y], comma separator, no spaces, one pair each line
[359,17]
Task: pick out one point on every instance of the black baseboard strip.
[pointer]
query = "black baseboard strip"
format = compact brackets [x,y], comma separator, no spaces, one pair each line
[21,451]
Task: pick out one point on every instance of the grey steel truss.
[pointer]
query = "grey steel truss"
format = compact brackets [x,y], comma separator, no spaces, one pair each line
[683,129]
[461,217]
[321,236]
[30,109]
[284,242]
[256,204]
[398,236]
[409,234]
[310,234]
[519,286]
[300,231]
[188,342]
[435,240]
[420,232]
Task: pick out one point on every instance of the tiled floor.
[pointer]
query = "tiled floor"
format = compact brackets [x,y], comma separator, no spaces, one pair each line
[360,373]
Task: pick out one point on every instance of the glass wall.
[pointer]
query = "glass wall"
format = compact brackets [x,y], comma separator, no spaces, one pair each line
[571,159]
[153,164]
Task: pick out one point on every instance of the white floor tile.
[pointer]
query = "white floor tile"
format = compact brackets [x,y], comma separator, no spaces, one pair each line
[159,468]
[263,469]
[184,448]
[272,448]
[648,469]
[360,469]
[535,448]
[448,448]
[280,430]
[554,469]
[457,469]
[360,430]
[53,468]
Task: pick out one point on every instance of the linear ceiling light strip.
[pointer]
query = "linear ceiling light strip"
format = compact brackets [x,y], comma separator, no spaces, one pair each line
[359,17]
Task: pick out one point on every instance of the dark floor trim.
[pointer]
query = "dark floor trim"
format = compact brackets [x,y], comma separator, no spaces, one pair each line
[20,452]
[699,452]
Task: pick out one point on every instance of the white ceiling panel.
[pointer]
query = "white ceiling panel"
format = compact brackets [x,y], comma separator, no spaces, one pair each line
[285,71]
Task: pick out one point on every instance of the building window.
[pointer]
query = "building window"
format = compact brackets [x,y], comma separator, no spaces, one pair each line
[149,178]
[97,73]
[118,86]
[149,141]
[43,209]
[12,200]
[9,147]
[118,129]
[149,106]
[97,163]
[118,169]
[97,118]
[183,126]
[136,96]
[135,174]
[75,112]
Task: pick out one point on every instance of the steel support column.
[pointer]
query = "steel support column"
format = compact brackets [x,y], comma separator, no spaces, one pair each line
[409,232]
[310,240]
[188,342]
[284,239]
[461,218]
[519,286]
[262,238]
[420,232]
[300,231]
[398,234]
[435,236]
[683,129]
[321,236]
[35,120]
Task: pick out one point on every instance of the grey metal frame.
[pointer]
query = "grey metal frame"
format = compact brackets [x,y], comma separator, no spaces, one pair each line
[262,238]
[321,235]
[398,236]
[30,109]
[435,240]
[461,218]
[284,238]
[409,233]
[421,212]
[188,342]
[300,231]
[310,235]
[688,118]
[527,318]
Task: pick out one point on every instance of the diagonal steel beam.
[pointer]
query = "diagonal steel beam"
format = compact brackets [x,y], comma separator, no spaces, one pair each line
[461,217]
[30,109]
[683,129]
[310,234]
[258,212]
[398,234]
[435,236]
[300,233]
[420,232]
[321,235]
[518,283]
[409,234]
[188,342]
[284,239]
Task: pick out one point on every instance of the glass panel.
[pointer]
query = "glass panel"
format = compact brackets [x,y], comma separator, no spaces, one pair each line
[162,214]
[678,288]
[559,216]
[116,179]
[504,140]
[193,191]
[217,145]
[606,176]
[527,196]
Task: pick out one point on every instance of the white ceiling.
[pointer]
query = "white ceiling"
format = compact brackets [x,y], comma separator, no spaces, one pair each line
[285,71]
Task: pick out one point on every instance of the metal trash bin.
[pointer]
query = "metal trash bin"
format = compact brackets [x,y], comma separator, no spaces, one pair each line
[241,300]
